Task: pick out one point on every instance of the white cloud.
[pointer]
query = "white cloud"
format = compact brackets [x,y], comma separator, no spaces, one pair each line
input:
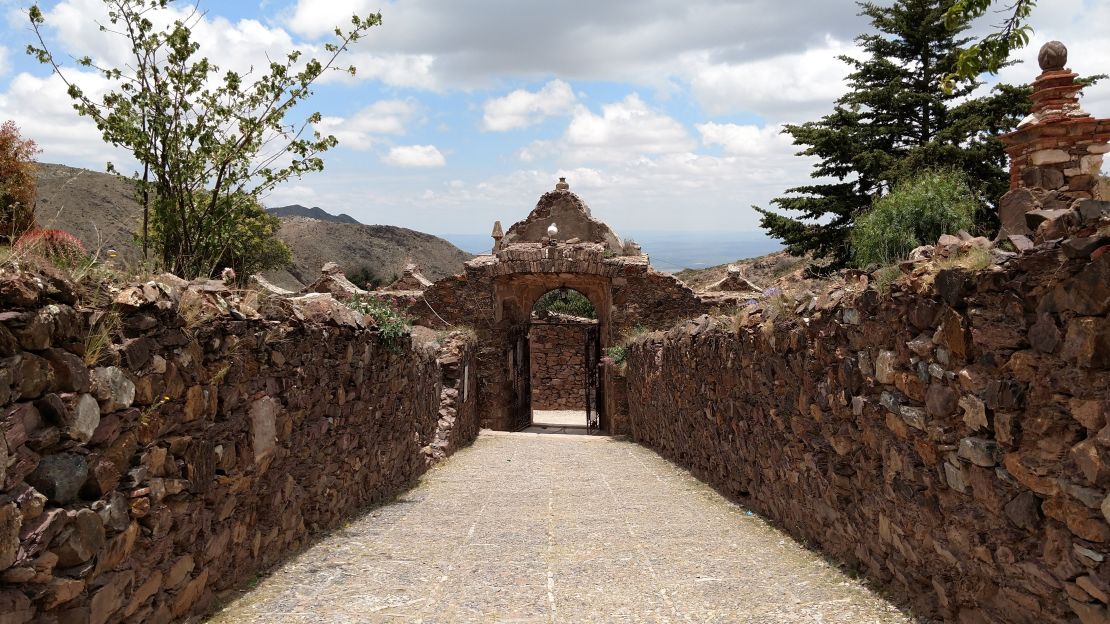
[315,19]
[800,84]
[414,71]
[414,156]
[625,129]
[748,140]
[523,108]
[44,113]
[1080,25]
[360,130]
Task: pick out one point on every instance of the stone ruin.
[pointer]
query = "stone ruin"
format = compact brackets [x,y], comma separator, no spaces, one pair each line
[411,279]
[950,438]
[1056,155]
[734,281]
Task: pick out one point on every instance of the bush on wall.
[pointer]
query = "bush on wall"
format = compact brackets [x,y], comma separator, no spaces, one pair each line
[915,213]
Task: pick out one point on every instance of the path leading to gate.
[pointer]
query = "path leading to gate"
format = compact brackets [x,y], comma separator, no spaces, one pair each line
[544,528]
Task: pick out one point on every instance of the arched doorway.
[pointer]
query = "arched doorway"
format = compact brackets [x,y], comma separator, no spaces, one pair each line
[564,345]
[526,310]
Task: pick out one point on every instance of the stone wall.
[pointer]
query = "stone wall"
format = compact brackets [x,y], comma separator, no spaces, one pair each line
[558,352]
[949,440]
[212,435]
[498,291]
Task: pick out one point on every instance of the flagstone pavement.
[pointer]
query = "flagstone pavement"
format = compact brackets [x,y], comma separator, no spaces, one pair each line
[558,528]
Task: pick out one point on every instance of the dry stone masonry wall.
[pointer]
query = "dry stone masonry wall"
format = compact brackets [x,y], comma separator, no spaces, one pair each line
[950,439]
[558,352]
[211,437]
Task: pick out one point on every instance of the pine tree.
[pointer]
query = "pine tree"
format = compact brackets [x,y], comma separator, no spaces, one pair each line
[895,119]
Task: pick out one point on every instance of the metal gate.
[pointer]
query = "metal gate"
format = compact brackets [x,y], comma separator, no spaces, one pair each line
[595,399]
[521,378]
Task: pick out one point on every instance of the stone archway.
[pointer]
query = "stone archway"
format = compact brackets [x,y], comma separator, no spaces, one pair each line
[495,295]
[565,347]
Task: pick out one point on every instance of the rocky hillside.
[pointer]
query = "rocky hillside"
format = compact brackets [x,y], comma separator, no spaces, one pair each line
[297,210]
[776,270]
[382,250]
[99,209]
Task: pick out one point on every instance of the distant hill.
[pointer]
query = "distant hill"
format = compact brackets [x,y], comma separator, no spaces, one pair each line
[297,210]
[382,250]
[100,209]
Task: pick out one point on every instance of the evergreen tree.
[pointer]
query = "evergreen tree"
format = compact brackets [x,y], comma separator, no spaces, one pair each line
[895,119]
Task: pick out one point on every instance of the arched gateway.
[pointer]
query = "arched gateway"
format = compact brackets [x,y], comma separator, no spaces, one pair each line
[496,294]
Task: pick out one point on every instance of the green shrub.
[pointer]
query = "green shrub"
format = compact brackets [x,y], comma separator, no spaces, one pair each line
[392,324]
[617,353]
[915,213]
[566,301]
[368,278]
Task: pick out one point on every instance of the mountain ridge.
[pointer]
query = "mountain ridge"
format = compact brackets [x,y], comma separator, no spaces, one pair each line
[100,209]
[297,210]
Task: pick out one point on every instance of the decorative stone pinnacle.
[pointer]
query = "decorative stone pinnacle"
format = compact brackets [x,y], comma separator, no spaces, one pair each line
[1053,56]
[498,233]
[552,230]
[562,185]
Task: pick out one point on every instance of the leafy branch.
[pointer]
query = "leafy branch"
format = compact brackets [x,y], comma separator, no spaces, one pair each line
[990,53]
[203,136]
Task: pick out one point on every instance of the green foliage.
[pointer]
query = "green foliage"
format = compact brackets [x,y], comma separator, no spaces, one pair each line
[617,353]
[885,277]
[992,52]
[59,247]
[392,324]
[241,236]
[202,135]
[17,183]
[915,213]
[367,277]
[566,301]
[895,120]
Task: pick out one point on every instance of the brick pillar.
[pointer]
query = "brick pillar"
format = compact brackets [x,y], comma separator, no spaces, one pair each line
[1056,152]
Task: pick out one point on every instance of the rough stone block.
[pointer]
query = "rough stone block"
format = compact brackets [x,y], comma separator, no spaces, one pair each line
[60,476]
[263,417]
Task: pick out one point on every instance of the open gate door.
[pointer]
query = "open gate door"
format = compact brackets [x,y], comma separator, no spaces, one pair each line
[594,397]
[521,378]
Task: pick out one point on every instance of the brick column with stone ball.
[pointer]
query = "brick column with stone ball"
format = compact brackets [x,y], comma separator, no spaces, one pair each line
[1056,152]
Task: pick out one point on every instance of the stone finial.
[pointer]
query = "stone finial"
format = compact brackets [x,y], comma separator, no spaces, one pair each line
[562,185]
[497,235]
[1053,56]
[552,230]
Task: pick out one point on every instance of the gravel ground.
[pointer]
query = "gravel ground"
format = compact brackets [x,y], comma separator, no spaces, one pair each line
[540,528]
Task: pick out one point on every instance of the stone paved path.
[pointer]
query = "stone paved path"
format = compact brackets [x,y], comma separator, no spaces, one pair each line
[540,528]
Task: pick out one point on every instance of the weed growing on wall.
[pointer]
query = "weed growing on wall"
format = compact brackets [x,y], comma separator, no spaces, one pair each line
[392,324]
[617,354]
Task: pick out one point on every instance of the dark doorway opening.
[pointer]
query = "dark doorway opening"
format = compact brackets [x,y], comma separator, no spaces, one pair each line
[561,350]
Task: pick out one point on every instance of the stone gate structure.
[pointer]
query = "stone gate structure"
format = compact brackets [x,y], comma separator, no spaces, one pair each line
[495,295]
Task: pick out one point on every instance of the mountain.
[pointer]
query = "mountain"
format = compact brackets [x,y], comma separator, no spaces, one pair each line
[101,210]
[98,208]
[381,250]
[297,210]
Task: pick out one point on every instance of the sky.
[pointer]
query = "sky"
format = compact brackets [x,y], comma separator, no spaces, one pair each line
[663,115]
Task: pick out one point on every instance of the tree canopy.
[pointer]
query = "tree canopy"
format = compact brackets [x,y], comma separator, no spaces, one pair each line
[203,136]
[992,52]
[895,119]
[17,183]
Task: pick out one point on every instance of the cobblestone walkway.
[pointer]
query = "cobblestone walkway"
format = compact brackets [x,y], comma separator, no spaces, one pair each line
[541,528]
